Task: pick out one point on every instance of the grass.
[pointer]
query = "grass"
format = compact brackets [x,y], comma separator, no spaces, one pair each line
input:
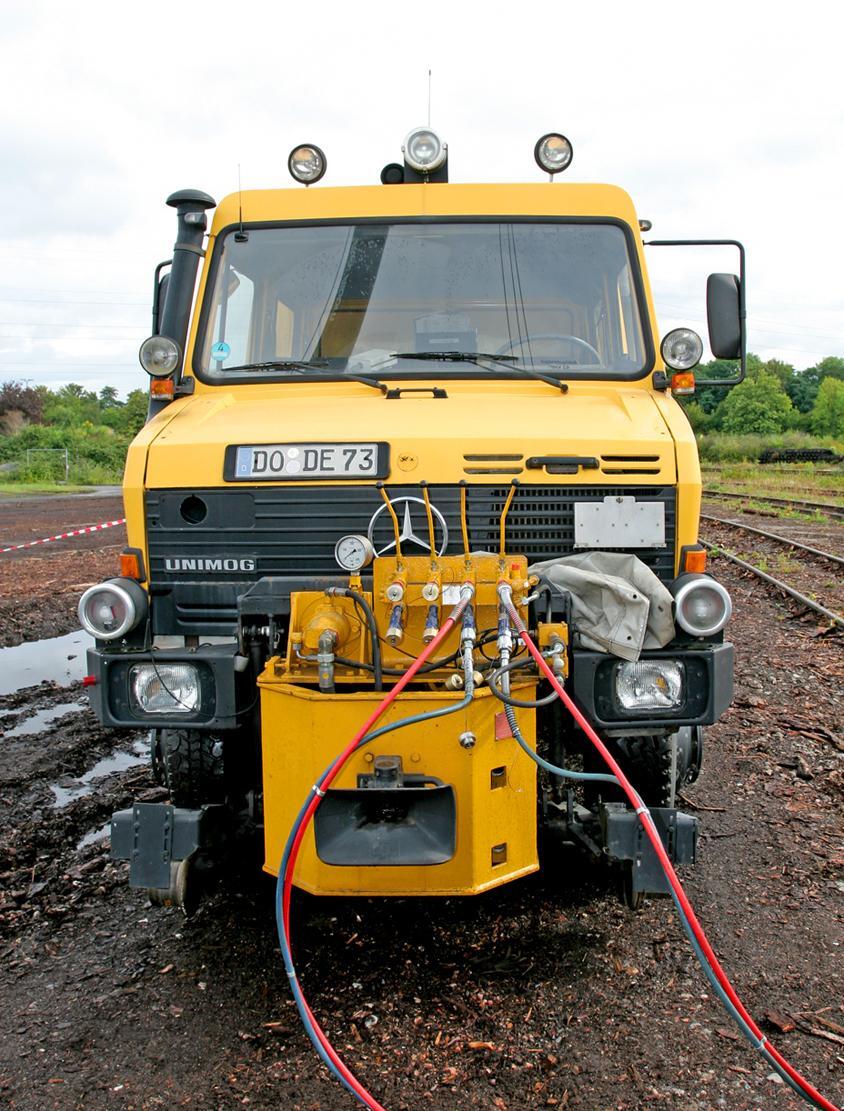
[801,480]
[14,489]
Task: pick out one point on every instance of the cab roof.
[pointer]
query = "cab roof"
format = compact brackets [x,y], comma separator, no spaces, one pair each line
[545,199]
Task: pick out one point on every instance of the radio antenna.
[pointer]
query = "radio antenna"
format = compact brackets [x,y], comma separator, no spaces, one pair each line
[429,98]
[241,236]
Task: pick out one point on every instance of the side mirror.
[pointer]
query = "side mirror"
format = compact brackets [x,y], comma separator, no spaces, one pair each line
[725,308]
[723,314]
[159,294]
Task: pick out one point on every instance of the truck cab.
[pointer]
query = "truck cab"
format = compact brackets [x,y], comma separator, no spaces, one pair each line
[365,400]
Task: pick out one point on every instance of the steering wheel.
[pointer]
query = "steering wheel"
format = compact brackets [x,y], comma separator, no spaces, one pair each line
[505,348]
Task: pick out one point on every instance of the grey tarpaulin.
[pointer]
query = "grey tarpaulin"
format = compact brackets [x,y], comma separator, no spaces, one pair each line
[618,604]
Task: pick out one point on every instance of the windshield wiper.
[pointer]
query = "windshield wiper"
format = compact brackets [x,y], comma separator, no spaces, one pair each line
[477,357]
[281,364]
[303,365]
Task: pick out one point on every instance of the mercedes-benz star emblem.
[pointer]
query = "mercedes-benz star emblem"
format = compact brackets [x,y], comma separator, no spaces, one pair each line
[407,533]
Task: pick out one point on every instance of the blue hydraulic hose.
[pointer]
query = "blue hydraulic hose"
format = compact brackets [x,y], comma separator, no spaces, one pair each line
[287,956]
[563,773]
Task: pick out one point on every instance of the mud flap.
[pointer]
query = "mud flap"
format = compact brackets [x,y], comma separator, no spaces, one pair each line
[152,836]
[625,841]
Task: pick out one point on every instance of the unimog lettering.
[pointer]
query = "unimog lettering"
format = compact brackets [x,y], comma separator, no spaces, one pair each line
[208,564]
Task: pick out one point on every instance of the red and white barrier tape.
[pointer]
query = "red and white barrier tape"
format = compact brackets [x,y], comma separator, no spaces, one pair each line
[64,535]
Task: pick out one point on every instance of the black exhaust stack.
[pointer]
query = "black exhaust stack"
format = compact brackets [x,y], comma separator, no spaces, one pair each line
[190,205]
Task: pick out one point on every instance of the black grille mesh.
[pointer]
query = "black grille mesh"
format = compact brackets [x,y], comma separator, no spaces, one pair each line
[292,531]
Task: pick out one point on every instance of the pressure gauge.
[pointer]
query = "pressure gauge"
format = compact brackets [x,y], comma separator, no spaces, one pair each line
[354,552]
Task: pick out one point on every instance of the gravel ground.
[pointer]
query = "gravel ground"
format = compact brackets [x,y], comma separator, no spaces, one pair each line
[547,993]
[40,586]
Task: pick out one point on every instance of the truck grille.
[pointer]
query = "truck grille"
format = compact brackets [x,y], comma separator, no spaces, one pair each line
[203,543]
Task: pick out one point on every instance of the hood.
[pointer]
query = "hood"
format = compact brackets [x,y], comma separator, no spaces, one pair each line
[486,431]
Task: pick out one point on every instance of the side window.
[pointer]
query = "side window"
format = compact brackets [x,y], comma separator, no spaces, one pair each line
[231,331]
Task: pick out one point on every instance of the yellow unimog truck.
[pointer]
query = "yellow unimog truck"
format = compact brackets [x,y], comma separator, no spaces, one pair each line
[378,403]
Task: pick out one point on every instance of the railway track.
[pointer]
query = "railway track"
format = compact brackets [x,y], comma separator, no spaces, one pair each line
[789,543]
[810,507]
[807,553]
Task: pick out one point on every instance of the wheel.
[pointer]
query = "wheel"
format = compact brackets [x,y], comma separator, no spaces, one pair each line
[648,763]
[193,766]
[157,757]
[514,343]
[183,891]
[633,900]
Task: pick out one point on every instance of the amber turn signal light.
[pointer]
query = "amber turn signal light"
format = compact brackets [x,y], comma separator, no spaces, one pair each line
[130,566]
[163,387]
[695,561]
[684,382]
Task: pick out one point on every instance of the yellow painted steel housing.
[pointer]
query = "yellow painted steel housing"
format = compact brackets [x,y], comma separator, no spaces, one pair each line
[494,783]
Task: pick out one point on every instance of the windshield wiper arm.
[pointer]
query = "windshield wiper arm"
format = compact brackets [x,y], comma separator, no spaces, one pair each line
[303,365]
[281,364]
[476,357]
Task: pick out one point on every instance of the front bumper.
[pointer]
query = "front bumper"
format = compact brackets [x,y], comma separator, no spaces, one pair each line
[227,692]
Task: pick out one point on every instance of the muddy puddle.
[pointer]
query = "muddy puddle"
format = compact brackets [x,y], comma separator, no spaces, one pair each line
[71,789]
[58,660]
[42,718]
[94,837]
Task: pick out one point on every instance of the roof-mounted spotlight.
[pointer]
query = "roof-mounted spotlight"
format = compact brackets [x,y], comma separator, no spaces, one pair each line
[306,163]
[426,154]
[553,153]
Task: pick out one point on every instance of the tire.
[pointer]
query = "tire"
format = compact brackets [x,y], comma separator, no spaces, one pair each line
[647,761]
[193,766]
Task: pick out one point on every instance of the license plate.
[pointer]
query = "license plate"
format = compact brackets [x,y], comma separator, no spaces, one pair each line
[619,522]
[263,462]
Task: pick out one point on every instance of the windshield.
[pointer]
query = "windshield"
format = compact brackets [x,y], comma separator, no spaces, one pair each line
[383,297]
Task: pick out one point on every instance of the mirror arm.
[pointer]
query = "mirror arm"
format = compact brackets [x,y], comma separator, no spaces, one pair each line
[742,302]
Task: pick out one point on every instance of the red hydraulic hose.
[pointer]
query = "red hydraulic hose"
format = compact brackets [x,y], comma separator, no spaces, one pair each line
[659,849]
[365,1097]
[427,652]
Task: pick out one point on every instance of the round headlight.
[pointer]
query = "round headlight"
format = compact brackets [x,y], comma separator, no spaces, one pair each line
[424,151]
[553,153]
[306,163]
[702,607]
[159,356]
[109,610]
[682,349]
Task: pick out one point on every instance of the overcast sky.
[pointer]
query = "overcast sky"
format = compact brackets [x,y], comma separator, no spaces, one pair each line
[721,120]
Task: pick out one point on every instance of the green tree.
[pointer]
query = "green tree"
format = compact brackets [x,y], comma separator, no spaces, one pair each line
[827,416]
[783,371]
[759,404]
[72,405]
[803,388]
[109,398]
[699,419]
[831,367]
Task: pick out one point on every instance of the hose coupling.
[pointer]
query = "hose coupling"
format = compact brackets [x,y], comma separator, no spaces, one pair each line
[432,624]
[325,660]
[469,633]
[467,740]
[395,631]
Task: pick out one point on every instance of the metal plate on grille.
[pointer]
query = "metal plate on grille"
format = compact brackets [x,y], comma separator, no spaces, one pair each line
[619,522]
[305,461]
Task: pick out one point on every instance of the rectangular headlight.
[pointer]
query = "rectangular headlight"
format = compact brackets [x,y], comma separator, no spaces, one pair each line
[165,688]
[650,685]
